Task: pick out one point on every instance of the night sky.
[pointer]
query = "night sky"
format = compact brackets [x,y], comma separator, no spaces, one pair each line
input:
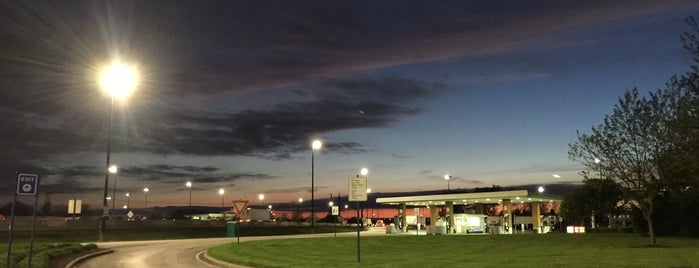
[232,93]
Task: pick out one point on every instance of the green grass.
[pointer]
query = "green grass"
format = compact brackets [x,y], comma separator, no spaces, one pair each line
[550,250]
[43,252]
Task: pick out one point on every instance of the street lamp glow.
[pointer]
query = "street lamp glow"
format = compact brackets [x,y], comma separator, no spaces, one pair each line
[261,197]
[364,172]
[113,169]
[541,189]
[118,80]
[145,198]
[221,192]
[316,144]
[331,203]
[368,190]
[597,161]
[447,177]
[300,200]
[189,185]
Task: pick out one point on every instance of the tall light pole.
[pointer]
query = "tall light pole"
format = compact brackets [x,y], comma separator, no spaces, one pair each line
[189,185]
[364,172]
[368,191]
[598,162]
[117,80]
[221,192]
[128,199]
[299,210]
[447,178]
[261,197]
[315,145]
[113,170]
[145,199]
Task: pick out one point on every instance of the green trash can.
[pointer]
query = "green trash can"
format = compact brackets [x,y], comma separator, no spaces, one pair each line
[230,229]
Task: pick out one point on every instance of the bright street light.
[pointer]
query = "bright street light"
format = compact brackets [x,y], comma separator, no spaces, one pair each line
[189,185]
[113,170]
[118,81]
[261,197]
[598,162]
[364,172]
[221,192]
[128,198]
[315,145]
[541,189]
[145,199]
[447,177]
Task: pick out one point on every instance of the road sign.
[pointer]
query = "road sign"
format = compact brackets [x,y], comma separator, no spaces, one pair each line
[357,189]
[239,206]
[27,184]
[336,210]
[75,206]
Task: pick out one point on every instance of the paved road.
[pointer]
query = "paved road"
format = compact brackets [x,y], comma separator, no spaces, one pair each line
[173,253]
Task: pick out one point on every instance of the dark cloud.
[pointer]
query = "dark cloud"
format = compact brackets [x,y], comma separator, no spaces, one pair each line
[286,128]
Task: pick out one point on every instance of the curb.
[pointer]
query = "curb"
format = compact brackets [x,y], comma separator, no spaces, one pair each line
[85,257]
[217,263]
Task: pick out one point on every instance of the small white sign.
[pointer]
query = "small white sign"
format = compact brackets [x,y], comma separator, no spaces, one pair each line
[336,210]
[75,206]
[357,189]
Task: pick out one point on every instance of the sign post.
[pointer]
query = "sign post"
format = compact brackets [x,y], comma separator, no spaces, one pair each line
[27,184]
[335,212]
[239,207]
[357,193]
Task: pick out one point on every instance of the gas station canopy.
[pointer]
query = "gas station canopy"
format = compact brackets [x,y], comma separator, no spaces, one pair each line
[516,196]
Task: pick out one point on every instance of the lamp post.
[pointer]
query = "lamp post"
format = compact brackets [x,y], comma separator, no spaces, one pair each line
[113,170]
[598,162]
[223,211]
[145,199]
[368,191]
[364,172]
[447,177]
[128,198]
[315,145]
[261,197]
[118,80]
[298,212]
[189,185]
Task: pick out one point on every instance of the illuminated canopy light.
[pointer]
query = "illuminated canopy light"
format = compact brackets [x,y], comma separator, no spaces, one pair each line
[118,80]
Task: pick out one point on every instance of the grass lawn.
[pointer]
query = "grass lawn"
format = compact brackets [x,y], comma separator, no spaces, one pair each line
[549,250]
